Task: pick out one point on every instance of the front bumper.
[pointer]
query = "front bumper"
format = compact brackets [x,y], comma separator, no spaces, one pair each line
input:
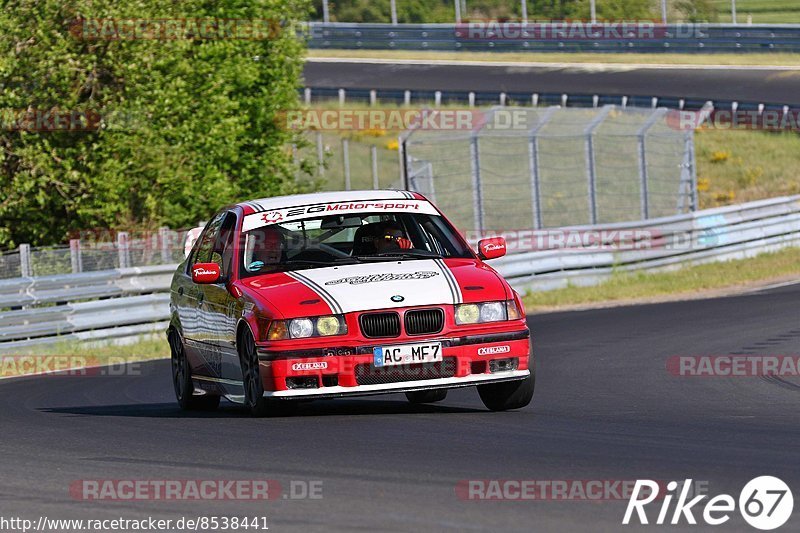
[402,386]
[349,371]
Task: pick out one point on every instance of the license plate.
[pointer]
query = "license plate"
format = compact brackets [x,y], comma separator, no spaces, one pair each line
[406,354]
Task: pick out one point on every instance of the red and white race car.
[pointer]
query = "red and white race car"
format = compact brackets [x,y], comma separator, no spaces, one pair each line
[343,294]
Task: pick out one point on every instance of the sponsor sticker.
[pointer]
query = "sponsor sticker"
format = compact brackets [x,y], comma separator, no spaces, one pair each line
[319,365]
[493,350]
[375,278]
[292,214]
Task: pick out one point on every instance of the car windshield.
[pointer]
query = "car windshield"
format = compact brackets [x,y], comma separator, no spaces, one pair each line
[347,239]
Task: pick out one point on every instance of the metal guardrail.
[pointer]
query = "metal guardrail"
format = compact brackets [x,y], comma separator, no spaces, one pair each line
[681,38]
[111,304]
[731,232]
[127,303]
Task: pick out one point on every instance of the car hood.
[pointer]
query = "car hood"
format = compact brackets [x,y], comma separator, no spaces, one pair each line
[380,285]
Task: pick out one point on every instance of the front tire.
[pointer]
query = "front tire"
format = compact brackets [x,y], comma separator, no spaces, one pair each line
[182,379]
[507,395]
[254,399]
[426,396]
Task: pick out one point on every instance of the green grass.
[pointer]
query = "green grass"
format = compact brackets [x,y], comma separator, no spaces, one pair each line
[754,59]
[741,166]
[688,281]
[761,11]
[74,355]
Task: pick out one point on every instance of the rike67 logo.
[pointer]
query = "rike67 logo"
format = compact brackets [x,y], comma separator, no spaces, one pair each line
[765,503]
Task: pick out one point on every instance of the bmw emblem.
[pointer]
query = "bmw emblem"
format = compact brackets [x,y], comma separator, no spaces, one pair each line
[397,298]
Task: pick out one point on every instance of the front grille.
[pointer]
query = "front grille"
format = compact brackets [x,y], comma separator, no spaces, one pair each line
[380,324]
[366,374]
[424,321]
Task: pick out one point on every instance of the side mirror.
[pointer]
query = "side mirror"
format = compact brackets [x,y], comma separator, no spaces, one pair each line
[205,273]
[492,248]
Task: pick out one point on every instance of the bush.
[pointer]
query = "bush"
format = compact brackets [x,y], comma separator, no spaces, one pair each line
[188,125]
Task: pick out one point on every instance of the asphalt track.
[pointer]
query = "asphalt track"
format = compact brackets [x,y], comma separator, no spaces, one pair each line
[605,408]
[755,85]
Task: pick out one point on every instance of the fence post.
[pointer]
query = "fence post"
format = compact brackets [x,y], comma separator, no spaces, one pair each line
[75,258]
[320,155]
[590,162]
[644,187]
[25,260]
[165,238]
[373,154]
[692,170]
[123,249]
[533,163]
[477,193]
[346,161]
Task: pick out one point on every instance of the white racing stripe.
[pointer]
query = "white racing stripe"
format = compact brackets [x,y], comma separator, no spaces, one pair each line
[364,286]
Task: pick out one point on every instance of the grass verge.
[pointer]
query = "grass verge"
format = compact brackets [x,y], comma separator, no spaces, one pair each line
[71,355]
[755,59]
[710,279]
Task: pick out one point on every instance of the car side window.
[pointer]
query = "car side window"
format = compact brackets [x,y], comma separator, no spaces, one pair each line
[207,240]
[223,247]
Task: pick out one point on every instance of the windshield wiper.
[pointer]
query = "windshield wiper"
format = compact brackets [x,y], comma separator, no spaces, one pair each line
[389,256]
[332,262]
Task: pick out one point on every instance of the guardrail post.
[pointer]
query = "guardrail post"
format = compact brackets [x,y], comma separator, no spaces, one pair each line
[165,239]
[75,257]
[123,249]
[373,97]
[373,155]
[477,193]
[307,95]
[437,98]
[406,97]
[25,260]
[471,99]
[342,97]
[346,162]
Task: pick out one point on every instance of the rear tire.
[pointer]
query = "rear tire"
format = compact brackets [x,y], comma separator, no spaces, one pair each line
[507,395]
[254,399]
[426,396]
[182,379]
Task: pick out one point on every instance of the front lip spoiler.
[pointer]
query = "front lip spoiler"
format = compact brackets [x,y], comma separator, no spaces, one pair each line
[403,386]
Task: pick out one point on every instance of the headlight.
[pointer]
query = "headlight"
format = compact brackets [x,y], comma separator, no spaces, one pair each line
[493,312]
[300,328]
[467,314]
[486,312]
[303,328]
[329,325]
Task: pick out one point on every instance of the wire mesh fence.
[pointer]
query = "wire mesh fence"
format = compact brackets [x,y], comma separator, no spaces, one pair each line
[555,167]
[95,251]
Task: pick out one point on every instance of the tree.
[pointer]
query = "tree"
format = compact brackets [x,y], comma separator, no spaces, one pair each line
[173,128]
